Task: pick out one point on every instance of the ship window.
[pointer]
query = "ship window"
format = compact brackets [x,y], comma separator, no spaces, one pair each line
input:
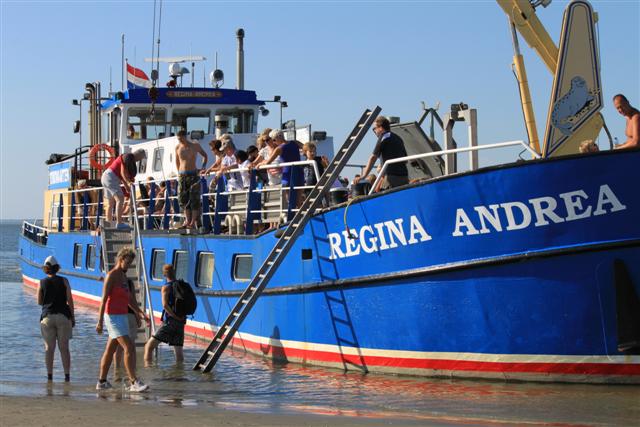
[77,255]
[145,125]
[181,265]
[242,265]
[240,121]
[205,270]
[190,120]
[91,257]
[158,154]
[142,164]
[157,261]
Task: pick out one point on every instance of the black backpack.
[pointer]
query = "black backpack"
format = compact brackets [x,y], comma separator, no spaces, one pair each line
[184,300]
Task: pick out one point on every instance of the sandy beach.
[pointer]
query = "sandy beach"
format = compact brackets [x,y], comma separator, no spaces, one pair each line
[64,411]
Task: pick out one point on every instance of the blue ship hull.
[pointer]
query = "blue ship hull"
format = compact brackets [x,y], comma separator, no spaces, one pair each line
[509,272]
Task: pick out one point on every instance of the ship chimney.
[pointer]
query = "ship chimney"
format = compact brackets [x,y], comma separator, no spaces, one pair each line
[240,60]
[91,89]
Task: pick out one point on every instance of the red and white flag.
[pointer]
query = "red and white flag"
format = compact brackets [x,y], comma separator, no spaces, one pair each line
[136,78]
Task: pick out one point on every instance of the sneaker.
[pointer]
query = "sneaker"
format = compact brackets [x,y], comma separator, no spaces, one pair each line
[137,387]
[103,385]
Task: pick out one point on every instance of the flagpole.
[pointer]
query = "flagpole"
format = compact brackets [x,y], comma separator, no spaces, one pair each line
[123,67]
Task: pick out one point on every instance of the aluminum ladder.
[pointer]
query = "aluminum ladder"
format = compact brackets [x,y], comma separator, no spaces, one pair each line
[112,241]
[249,296]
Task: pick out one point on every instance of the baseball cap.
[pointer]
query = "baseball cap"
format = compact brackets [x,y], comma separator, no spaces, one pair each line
[51,260]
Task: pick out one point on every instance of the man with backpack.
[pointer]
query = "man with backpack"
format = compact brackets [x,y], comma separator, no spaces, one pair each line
[178,301]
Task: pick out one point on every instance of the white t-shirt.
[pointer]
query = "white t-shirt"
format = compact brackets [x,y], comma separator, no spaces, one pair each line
[246,176]
[275,175]
[233,181]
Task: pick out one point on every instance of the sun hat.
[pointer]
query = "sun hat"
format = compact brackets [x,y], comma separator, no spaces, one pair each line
[51,260]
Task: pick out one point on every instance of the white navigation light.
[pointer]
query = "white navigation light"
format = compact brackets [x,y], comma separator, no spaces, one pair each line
[175,69]
[216,77]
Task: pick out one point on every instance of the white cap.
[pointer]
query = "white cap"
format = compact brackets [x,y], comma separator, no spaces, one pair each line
[51,260]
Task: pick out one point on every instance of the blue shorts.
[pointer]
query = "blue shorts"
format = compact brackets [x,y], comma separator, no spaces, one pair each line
[117,325]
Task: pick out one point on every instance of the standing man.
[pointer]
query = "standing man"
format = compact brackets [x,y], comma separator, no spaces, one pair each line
[389,146]
[632,117]
[57,317]
[121,172]
[189,178]
[172,329]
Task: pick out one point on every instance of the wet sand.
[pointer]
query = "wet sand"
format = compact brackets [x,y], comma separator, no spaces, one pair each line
[64,411]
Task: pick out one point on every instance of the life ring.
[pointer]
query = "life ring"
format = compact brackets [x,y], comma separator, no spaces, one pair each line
[94,160]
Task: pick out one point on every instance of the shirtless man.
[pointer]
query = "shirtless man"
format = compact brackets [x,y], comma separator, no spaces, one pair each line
[632,116]
[189,179]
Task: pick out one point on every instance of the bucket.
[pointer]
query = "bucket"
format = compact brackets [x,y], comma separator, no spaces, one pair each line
[338,195]
[360,189]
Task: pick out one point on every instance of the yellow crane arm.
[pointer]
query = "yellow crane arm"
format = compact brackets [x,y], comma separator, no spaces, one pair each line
[523,15]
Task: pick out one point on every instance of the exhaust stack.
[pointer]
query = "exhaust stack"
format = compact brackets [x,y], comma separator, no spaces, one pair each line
[240,60]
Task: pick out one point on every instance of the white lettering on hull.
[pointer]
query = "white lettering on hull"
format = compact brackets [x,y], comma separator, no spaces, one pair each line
[379,237]
[544,210]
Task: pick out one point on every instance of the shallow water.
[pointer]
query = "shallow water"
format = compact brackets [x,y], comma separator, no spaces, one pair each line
[248,383]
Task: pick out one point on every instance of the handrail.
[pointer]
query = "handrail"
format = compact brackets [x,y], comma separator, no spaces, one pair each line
[450,151]
[136,228]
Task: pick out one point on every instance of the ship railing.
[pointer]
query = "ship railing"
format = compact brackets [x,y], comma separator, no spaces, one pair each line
[386,164]
[35,232]
[221,207]
[84,209]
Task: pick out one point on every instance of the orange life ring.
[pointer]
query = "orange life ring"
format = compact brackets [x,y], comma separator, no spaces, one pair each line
[94,159]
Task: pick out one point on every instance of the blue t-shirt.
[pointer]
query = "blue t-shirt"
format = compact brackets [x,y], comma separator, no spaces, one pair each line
[290,153]
[171,303]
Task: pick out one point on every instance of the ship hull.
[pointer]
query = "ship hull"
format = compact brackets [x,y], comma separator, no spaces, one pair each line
[475,275]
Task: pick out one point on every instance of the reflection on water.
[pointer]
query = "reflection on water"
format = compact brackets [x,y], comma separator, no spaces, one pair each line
[248,383]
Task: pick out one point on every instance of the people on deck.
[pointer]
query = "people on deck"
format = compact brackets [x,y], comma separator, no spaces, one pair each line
[632,122]
[288,151]
[243,162]
[116,181]
[588,146]
[229,161]
[274,175]
[389,146]
[116,299]
[310,151]
[172,330]
[189,178]
[215,145]
[57,318]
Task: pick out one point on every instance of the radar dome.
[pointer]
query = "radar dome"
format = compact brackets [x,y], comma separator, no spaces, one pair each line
[175,69]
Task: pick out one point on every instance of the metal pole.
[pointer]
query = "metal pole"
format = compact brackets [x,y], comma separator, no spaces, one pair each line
[122,64]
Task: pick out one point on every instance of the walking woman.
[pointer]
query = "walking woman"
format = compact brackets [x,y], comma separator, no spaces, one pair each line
[116,299]
[57,318]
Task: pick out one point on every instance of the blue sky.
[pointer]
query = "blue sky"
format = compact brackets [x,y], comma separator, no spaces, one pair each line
[329,60]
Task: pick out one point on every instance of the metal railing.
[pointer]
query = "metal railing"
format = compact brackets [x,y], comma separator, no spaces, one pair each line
[382,173]
[35,233]
[86,213]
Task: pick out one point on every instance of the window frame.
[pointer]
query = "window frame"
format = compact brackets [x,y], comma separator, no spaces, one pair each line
[199,266]
[157,158]
[174,262]
[234,267]
[77,264]
[154,260]
[91,250]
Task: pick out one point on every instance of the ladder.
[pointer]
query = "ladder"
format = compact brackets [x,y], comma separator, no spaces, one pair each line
[113,240]
[249,296]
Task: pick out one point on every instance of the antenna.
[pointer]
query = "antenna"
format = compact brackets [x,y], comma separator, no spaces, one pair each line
[110,75]
[122,63]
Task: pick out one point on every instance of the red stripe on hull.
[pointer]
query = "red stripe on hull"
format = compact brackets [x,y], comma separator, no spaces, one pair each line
[398,364]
